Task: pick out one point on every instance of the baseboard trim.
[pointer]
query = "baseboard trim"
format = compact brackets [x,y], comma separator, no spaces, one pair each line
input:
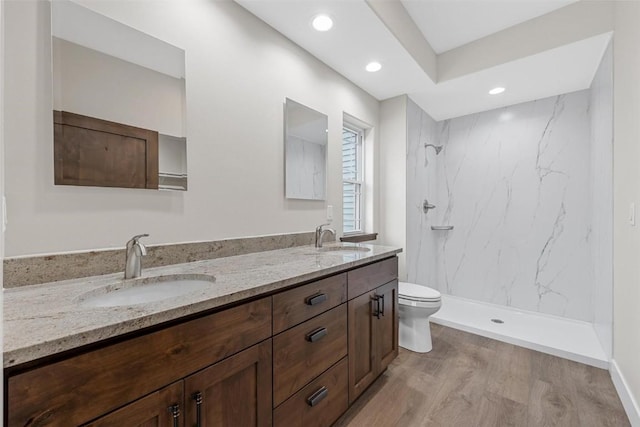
[628,402]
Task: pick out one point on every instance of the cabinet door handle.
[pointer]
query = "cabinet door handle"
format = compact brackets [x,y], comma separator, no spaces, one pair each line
[315,299]
[376,310]
[316,334]
[197,396]
[318,396]
[381,304]
[175,414]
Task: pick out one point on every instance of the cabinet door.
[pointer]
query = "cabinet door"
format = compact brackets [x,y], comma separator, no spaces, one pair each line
[233,392]
[362,370]
[160,409]
[386,327]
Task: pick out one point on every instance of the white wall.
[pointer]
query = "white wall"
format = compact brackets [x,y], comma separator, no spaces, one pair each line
[626,180]
[393,167]
[238,72]
[601,177]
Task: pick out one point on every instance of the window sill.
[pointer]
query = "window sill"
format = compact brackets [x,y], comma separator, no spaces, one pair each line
[360,237]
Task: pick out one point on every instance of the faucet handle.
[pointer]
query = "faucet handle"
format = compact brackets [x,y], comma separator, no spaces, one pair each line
[135,241]
[138,237]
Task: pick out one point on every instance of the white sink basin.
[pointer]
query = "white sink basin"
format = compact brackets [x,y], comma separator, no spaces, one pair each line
[145,290]
[343,249]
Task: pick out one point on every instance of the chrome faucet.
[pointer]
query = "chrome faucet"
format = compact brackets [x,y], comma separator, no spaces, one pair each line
[320,232]
[135,251]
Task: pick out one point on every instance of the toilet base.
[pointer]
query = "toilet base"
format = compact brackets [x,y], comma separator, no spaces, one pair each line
[415,334]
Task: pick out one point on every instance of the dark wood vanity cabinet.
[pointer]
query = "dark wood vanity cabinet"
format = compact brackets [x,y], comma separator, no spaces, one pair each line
[310,379]
[296,358]
[357,314]
[81,388]
[235,391]
[373,325]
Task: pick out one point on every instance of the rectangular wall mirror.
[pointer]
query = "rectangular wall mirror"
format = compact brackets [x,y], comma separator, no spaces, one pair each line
[305,152]
[119,103]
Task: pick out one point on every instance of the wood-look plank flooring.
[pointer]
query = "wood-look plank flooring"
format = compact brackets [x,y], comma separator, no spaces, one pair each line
[469,381]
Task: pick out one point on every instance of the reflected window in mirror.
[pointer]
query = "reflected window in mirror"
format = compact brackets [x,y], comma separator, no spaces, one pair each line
[116,83]
[305,152]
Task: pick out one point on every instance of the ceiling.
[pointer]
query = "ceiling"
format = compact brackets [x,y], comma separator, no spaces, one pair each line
[450,24]
[360,35]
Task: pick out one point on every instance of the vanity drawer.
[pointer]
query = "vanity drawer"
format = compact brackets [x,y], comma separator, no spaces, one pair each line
[302,303]
[320,403]
[80,388]
[369,277]
[305,351]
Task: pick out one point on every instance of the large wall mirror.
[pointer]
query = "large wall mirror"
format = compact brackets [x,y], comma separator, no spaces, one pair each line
[119,103]
[305,152]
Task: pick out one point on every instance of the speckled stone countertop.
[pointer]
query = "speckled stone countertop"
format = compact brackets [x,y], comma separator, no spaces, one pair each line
[45,319]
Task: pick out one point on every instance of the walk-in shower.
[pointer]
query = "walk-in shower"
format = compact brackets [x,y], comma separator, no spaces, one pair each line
[529,190]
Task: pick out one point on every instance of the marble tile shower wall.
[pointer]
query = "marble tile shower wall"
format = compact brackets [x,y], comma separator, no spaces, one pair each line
[514,182]
[422,257]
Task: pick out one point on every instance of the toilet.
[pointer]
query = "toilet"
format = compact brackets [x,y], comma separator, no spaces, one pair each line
[416,304]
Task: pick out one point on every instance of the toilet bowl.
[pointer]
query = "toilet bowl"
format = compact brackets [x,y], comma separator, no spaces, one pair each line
[416,304]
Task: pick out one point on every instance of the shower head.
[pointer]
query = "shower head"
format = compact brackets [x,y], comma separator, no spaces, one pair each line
[438,148]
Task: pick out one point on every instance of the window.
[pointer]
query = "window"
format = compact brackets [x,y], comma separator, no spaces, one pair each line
[352,179]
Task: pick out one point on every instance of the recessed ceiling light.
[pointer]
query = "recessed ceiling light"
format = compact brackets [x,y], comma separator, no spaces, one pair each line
[372,67]
[496,90]
[322,22]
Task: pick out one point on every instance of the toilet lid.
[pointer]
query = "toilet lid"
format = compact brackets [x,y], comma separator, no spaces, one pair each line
[416,292]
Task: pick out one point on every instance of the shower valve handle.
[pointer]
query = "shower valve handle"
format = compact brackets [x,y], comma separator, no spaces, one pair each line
[426,206]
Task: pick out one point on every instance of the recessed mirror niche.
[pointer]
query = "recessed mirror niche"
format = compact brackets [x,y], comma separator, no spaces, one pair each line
[305,152]
[119,104]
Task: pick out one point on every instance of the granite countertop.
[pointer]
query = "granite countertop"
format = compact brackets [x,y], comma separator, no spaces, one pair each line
[45,319]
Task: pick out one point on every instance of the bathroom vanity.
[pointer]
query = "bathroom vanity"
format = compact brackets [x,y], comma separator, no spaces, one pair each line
[296,347]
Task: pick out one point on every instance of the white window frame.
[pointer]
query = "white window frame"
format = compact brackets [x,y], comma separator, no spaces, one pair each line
[360,182]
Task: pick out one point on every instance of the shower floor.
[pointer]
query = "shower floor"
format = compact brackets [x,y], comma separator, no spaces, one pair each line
[570,339]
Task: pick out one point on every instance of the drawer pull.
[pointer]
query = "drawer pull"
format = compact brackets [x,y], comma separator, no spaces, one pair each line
[376,310]
[175,414]
[316,334]
[318,396]
[315,299]
[197,396]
